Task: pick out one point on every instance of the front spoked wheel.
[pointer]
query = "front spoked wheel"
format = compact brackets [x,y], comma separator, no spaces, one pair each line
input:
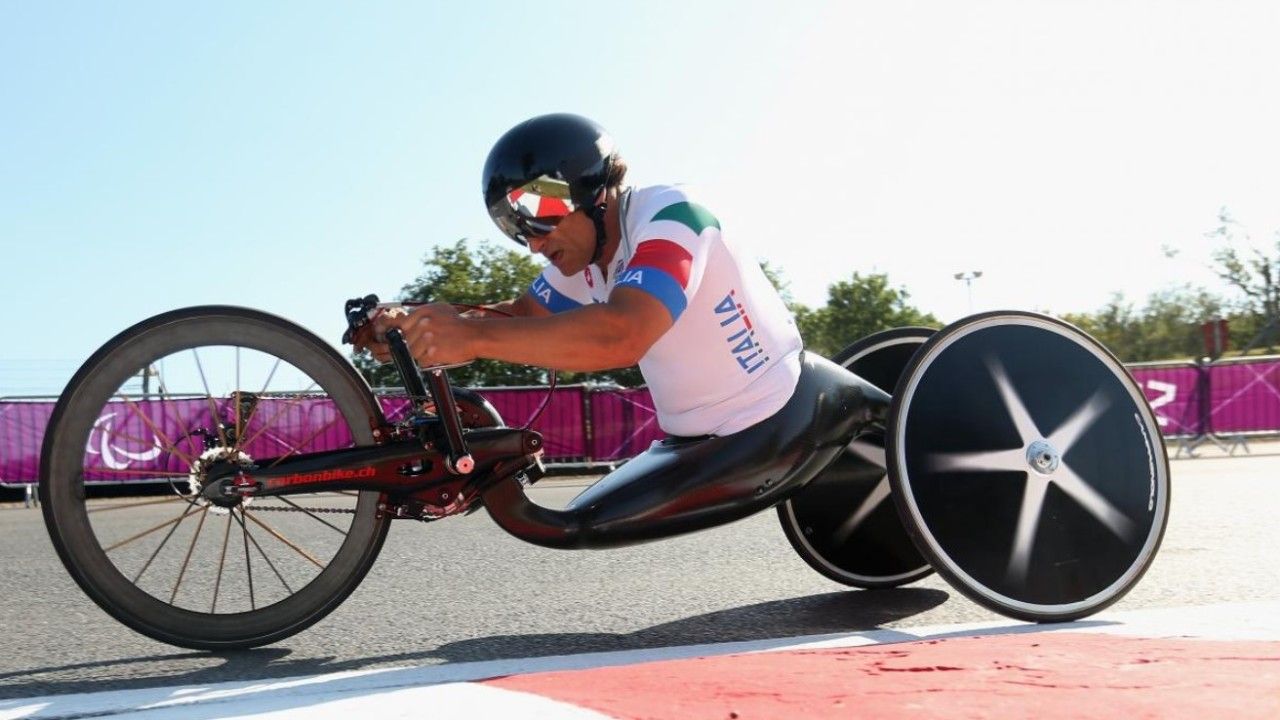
[159,406]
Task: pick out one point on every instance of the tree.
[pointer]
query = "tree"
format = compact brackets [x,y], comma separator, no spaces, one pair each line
[462,274]
[1251,271]
[855,308]
[1167,327]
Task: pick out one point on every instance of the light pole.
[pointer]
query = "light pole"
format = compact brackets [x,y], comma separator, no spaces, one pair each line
[146,374]
[968,277]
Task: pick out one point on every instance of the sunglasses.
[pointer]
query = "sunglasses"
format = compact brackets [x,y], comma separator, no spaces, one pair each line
[533,209]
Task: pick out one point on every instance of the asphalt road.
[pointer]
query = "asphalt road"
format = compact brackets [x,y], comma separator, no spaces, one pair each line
[461,590]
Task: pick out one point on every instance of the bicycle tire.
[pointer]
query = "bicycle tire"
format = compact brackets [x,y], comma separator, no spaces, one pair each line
[62,488]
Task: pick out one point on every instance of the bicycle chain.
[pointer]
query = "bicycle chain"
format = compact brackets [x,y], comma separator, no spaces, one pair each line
[260,508]
[339,511]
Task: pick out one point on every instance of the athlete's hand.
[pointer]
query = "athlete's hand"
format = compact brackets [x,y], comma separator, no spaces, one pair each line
[436,335]
[370,337]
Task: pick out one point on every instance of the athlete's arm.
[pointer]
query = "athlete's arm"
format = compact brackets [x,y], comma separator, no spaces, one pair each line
[523,306]
[600,336]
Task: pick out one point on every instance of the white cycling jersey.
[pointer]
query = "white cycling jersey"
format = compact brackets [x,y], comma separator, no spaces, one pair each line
[732,356]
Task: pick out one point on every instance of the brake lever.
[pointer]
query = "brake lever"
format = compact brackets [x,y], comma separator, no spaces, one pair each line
[359,312]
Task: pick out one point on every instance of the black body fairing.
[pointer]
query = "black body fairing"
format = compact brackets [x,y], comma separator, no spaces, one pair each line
[681,487]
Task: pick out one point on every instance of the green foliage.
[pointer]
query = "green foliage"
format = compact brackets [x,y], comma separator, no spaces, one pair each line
[1167,327]
[857,307]
[475,275]
[1252,272]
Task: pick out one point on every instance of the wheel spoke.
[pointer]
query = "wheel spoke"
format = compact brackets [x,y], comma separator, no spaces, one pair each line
[240,442]
[878,494]
[158,432]
[123,436]
[166,405]
[151,473]
[213,406]
[237,396]
[222,560]
[1024,535]
[288,404]
[1084,417]
[295,450]
[147,532]
[187,560]
[263,553]
[244,530]
[284,540]
[137,505]
[160,547]
[1093,501]
[1013,404]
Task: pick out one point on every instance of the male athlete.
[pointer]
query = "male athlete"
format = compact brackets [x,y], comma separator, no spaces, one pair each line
[635,276]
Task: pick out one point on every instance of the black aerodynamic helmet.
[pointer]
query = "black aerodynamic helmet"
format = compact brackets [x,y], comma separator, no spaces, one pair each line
[545,168]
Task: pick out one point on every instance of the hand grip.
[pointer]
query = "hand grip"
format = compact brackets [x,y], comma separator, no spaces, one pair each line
[452,443]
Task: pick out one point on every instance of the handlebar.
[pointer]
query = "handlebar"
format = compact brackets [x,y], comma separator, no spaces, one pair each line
[360,312]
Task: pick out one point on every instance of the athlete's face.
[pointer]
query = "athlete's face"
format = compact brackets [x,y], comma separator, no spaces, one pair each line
[570,245]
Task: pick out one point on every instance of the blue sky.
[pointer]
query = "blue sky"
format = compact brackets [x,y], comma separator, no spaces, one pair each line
[287,156]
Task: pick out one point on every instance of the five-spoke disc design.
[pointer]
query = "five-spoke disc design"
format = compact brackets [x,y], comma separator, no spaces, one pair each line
[1027,465]
[843,523]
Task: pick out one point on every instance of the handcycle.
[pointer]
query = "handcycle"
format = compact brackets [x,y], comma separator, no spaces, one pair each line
[1009,452]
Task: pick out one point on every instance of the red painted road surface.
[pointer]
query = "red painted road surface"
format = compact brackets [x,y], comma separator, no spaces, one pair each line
[1041,675]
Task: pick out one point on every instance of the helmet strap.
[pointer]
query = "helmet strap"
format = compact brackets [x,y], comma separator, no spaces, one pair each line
[596,213]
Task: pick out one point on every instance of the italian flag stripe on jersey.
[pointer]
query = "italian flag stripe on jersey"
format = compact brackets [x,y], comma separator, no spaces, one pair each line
[694,217]
[665,256]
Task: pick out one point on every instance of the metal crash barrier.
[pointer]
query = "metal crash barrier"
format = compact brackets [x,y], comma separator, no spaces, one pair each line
[1224,403]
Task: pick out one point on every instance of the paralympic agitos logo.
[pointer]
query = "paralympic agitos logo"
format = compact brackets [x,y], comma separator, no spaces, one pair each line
[114,456]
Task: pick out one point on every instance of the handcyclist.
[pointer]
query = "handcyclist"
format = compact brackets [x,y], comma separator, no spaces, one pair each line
[635,275]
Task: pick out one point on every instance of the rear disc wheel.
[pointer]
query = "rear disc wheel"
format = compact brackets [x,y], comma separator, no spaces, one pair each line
[1027,466]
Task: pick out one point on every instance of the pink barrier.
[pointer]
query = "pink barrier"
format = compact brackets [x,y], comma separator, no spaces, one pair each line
[1174,395]
[22,427]
[147,440]
[580,424]
[1244,397]
[623,424]
[561,424]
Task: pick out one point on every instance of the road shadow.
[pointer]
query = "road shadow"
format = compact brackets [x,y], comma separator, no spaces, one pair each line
[838,612]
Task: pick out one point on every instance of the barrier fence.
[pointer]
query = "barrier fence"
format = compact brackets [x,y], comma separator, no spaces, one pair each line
[585,424]
[144,439]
